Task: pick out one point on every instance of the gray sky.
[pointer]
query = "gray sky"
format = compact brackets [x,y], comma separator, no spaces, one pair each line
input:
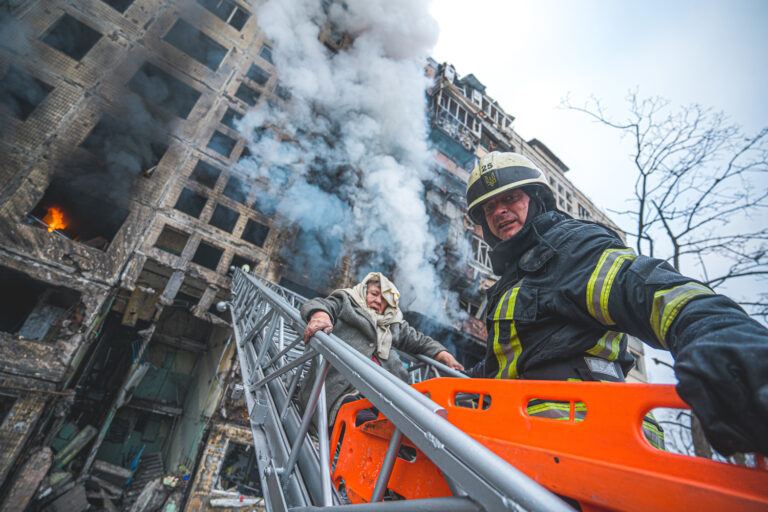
[530,54]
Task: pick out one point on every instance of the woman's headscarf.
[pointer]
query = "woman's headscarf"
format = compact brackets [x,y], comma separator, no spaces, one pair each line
[391,315]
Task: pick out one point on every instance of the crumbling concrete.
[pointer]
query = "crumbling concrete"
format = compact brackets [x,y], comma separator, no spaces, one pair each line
[30,475]
[17,427]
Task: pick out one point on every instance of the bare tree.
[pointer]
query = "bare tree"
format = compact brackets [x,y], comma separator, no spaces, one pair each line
[701,190]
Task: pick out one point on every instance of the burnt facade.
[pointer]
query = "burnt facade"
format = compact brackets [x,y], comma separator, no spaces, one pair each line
[121,209]
[126,194]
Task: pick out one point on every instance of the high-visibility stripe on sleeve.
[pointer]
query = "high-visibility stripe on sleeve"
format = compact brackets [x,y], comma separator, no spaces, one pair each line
[599,285]
[501,358]
[507,351]
[668,303]
[607,346]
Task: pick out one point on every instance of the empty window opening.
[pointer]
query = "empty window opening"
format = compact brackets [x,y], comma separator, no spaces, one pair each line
[239,261]
[166,91]
[237,190]
[240,470]
[196,44]
[76,207]
[118,5]
[228,11]
[206,174]
[172,240]
[266,53]
[255,232]
[258,75]
[224,218]
[282,92]
[265,204]
[190,202]
[230,118]
[207,256]
[246,153]
[71,37]
[247,94]
[222,144]
[128,145]
[21,93]
[34,310]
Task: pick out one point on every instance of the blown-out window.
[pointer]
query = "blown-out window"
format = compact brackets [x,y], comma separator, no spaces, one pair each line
[21,93]
[196,44]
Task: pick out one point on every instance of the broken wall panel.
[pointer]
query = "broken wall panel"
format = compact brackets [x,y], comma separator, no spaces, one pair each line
[16,428]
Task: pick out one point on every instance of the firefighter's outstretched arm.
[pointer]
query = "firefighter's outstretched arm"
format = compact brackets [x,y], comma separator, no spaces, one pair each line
[721,354]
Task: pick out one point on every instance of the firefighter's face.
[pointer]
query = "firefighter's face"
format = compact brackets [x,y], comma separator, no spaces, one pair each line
[506,213]
[374,299]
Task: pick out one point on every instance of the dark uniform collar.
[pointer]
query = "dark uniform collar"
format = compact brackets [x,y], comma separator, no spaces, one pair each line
[508,254]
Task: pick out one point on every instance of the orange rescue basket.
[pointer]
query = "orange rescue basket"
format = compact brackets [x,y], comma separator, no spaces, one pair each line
[603,461]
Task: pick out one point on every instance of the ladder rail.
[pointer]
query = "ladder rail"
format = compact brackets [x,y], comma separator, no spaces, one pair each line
[491,482]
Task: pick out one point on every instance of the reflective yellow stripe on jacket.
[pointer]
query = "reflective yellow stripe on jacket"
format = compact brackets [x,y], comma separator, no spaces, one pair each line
[599,285]
[607,346]
[506,354]
[668,303]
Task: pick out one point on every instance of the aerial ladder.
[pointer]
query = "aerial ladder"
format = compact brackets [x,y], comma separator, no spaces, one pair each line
[452,443]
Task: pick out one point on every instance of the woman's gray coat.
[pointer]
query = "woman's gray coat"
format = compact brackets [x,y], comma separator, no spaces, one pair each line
[352,325]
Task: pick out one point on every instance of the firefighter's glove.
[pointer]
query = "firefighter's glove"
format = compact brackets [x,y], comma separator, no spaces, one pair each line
[726,385]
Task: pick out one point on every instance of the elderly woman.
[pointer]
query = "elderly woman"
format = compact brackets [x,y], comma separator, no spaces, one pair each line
[368,318]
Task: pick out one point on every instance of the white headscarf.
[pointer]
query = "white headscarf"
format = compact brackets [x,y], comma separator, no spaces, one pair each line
[391,315]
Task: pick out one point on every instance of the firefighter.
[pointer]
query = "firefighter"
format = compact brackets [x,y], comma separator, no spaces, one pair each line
[570,292]
[368,318]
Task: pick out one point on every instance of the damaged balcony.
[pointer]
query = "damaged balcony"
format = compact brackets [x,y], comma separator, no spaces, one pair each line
[36,311]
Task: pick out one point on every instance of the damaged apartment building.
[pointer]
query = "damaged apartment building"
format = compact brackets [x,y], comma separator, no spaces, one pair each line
[122,207]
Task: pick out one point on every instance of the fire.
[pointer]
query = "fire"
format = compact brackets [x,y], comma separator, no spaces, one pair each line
[55,219]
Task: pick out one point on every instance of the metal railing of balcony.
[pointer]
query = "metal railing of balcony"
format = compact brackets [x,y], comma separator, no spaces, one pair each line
[481,254]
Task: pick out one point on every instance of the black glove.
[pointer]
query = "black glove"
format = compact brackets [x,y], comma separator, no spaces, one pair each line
[726,384]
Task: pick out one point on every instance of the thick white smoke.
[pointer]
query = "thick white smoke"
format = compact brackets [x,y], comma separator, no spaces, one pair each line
[355,137]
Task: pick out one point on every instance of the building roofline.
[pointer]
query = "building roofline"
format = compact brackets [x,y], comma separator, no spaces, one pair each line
[536,143]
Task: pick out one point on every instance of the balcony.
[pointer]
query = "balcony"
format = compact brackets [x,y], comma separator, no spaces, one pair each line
[480,259]
[451,137]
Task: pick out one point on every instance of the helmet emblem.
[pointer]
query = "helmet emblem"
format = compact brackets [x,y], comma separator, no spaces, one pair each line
[490,179]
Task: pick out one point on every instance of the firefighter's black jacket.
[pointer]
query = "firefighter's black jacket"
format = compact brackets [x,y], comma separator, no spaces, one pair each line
[570,289]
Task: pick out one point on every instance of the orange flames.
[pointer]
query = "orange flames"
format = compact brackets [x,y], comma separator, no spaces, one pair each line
[55,219]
